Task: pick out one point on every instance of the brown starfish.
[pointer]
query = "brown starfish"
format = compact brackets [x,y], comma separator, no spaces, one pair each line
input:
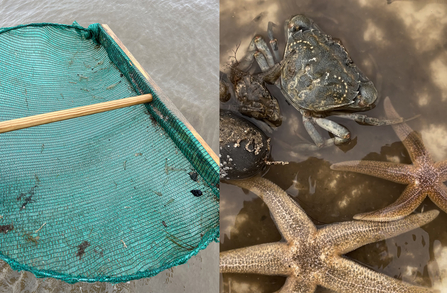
[312,256]
[424,177]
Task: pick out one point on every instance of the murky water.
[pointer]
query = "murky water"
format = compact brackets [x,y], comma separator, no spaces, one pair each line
[177,43]
[401,47]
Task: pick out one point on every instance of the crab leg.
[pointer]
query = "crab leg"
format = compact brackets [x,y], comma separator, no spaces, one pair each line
[341,133]
[312,130]
[273,42]
[247,61]
[262,47]
[262,62]
[361,118]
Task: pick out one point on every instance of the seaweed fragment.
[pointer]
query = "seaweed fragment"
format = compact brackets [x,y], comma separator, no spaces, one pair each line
[30,238]
[29,198]
[113,85]
[177,241]
[81,249]
[6,228]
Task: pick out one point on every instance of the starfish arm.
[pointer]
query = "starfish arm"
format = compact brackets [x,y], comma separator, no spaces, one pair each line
[298,285]
[348,236]
[343,275]
[442,169]
[408,201]
[439,196]
[291,220]
[265,259]
[410,138]
[398,173]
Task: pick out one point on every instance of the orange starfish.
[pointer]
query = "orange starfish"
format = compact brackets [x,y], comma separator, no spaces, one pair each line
[424,177]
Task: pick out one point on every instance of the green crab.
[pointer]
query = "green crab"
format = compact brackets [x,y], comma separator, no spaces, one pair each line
[318,78]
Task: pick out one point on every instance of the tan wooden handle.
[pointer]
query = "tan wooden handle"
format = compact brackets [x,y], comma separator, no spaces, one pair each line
[41,119]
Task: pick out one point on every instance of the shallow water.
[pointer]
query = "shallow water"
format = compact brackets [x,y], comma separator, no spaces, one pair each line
[401,47]
[177,44]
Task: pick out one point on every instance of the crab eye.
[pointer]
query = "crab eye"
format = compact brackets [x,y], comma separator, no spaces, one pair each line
[292,27]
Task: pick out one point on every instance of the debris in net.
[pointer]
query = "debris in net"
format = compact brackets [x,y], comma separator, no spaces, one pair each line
[81,249]
[169,168]
[6,228]
[177,241]
[164,224]
[30,238]
[138,154]
[97,64]
[169,202]
[112,86]
[193,175]
[101,253]
[196,192]
[157,193]
[81,77]
[27,200]
[40,227]
[153,120]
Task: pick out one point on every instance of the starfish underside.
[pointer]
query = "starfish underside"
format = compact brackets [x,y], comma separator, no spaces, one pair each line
[311,256]
[424,177]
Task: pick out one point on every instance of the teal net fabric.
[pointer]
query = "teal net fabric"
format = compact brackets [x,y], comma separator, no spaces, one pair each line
[111,197]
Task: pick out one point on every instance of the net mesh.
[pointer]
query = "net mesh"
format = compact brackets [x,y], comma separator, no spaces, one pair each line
[111,197]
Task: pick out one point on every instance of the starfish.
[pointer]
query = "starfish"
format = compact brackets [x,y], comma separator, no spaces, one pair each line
[312,256]
[424,177]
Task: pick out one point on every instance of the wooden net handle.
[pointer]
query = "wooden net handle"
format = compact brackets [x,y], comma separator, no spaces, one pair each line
[41,119]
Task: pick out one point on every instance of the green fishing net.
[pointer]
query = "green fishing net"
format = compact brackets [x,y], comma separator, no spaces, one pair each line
[111,197]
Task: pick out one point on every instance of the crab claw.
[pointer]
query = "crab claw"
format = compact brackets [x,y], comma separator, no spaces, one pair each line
[300,21]
[368,96]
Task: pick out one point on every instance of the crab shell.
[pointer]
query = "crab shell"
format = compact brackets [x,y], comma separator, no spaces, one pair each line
[318,74]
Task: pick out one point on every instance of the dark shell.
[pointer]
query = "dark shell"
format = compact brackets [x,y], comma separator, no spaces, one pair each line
[319,75]
[244,148]
[196,192]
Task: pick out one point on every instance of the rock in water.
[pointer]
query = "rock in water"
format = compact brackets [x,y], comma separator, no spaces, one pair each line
[244,148]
